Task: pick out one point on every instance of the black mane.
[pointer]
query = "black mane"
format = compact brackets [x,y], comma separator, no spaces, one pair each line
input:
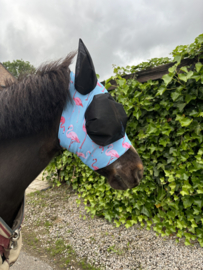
[30,106]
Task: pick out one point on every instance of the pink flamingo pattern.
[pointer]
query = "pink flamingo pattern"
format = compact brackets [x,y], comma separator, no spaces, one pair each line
[94,167]
[125,145]
[87,96]
[112,153]
[75,137]
[78,103]
[62,122]
[72,135]
[99,84]
[80,154]
[94,149]
[84,129]
[102,148]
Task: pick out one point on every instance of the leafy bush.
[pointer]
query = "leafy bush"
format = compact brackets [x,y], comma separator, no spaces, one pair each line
[165,126]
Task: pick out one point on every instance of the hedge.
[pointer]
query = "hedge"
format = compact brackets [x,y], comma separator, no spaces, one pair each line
[165,126]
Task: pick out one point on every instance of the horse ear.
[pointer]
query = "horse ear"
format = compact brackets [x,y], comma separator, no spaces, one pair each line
[85,75]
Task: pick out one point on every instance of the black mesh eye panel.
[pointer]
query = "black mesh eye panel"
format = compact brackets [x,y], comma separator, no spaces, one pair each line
[105,120]
[85,75]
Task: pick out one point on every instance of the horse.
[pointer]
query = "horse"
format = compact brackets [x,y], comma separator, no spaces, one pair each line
[30,115]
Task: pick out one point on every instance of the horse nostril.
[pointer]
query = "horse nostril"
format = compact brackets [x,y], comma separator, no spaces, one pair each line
[140,174]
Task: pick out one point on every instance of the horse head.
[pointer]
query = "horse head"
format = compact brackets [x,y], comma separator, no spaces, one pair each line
[101,124]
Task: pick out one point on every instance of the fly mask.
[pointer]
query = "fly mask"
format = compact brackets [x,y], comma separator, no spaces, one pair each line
[93,127]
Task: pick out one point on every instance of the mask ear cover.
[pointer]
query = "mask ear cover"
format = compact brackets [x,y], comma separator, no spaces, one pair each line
[105,120]
[85,75]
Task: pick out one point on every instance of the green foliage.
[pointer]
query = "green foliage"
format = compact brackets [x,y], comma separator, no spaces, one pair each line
[154,62]
[165,126]
[18,67]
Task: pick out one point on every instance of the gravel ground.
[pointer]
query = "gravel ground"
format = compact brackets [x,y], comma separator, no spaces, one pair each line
[105,246]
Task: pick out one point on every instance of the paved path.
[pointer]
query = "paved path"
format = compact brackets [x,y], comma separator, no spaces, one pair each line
[37,184]
[27,262]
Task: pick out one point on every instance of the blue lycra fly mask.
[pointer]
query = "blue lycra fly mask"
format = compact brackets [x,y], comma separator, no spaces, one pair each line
[73,134]
[93,126]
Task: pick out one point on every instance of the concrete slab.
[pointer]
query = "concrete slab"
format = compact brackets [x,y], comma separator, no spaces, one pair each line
[37,185]
[27,262]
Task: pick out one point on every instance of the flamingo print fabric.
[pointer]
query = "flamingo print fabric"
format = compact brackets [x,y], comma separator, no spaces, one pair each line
[73,135]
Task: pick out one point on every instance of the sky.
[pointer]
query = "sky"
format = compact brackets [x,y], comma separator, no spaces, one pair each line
[119,32]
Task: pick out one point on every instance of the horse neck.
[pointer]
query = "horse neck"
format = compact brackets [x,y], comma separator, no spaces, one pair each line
[21,161]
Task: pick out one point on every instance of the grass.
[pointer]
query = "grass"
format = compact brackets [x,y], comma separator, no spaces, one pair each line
[117,251]
[48,224]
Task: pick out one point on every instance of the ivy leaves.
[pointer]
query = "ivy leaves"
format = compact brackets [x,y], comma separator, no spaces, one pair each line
[167,78]
[165,126]
[184,121]
[198,66]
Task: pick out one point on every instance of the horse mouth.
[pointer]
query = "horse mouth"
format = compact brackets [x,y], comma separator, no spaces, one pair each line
[119,183]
